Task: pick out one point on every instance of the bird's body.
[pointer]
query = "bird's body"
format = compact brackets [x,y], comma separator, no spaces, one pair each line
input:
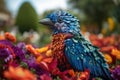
[72,50]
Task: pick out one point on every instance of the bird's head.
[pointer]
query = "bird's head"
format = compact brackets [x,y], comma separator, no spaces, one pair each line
[62,22]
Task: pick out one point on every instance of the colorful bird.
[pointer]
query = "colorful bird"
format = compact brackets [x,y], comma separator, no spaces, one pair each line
[70,47]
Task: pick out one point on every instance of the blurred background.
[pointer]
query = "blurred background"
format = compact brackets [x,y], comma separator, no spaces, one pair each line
[20,17]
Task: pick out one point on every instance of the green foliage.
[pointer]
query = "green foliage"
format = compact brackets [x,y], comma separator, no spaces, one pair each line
[27,18]
[96,10]
[117,13]
[117,17]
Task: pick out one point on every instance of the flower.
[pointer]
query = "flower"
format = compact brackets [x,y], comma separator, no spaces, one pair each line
[31,49]
[111,24]
[43,49]
[20,50]
[39,59]
[19,59]
[49,53]
[53,66]
[10,37]
[14,63]
[18,73]
[84,75]
[31,61]
[47,60]
[21,45]
[116,53]
[107,49]
[116,73]
[6,52]
[45,77]
[19,53]
[118,56]
[72,73]
[40,68]
[104,31]
[108,58]
[6,42]
[11,49]
[2,37]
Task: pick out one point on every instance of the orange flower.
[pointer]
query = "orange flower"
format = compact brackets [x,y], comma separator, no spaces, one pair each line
[30,48]
[39,59]
[84,75]
[10,37]
[2,37]
[72,73]
[116,53]
[108,58]
[19,73]
[118,56]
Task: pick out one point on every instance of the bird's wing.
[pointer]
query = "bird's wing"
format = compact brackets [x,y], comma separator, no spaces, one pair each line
[83,55]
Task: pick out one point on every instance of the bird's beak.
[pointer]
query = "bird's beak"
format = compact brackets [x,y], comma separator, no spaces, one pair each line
[46,21]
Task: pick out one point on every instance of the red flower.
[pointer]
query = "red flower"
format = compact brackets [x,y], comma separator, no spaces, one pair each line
[107,49]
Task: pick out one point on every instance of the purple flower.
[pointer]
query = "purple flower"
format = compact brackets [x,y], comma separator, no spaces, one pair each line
[116,73]
[20,54]
[32,64]
[6,51]
[30,61]
[6,42]
[21,45]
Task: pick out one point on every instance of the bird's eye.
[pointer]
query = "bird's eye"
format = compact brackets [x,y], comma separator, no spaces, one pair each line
[59,20]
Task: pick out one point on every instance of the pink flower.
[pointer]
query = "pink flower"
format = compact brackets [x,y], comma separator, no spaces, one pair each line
[45,77]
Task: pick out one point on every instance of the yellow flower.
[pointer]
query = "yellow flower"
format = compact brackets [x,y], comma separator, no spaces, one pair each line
[49,53]
[108,58]
[42,50]
[104,31]
[111,24]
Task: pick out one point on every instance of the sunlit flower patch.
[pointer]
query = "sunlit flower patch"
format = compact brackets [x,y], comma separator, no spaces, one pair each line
[20,61]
